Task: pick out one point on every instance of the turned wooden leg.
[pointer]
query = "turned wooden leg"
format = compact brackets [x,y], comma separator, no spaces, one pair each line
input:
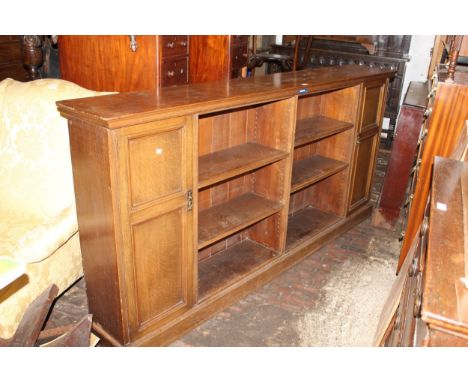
[31,51]
[453,56]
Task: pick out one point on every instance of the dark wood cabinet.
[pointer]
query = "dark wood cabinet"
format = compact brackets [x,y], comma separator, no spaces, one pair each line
[207,191]
[108,63]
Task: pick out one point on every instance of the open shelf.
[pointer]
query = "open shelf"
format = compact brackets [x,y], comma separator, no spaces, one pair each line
[230,265]
[314,128]
[225,164]
[220,221]
[306,224]
[313,169]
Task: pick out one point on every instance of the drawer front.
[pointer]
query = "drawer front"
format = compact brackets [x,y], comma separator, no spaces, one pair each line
[10,52]
[174,72]
[174,46]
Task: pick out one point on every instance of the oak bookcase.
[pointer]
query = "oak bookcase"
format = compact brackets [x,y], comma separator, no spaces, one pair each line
[192,196]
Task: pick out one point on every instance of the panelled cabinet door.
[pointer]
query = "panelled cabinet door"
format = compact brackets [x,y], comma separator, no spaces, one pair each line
[372,106]
[367,141]
[156,180]
[365,152]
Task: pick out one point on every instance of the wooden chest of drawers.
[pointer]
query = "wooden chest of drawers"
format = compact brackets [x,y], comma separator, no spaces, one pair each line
[175,54]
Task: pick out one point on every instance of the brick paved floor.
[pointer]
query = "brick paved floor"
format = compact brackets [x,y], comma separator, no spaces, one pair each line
[267,316]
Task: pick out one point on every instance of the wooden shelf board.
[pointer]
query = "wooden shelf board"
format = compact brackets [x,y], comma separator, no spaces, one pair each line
[313,169]
[312,129]
[230,265]
[306,224]
[225,219]
[225,164]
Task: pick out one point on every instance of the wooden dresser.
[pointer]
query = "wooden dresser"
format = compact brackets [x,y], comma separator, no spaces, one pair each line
[433,307]
[112,63]
[192,196]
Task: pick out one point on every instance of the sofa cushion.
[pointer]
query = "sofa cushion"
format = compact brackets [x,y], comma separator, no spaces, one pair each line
[36,176]
[27,238]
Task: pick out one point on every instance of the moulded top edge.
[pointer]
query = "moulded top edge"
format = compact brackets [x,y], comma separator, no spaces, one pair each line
[117,110]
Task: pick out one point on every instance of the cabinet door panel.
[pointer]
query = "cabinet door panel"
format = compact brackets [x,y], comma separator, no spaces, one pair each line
[155,165]
[372,109]
[158,263]
[364,161]
[158,230]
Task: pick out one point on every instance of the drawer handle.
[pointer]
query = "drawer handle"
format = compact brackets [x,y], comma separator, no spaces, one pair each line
[183,43]
[417,305]
[133,43]
[181,70]
[424,226]
[413,269]
[170,73]
[170,44]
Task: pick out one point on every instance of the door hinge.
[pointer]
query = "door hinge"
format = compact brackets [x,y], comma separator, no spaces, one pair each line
[189,200]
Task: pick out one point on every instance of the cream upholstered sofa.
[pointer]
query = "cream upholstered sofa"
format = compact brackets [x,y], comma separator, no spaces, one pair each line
[38,224]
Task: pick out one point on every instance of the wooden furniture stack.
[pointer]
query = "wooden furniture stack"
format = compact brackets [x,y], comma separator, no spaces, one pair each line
[192,196]
[433,307]
[447,111]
